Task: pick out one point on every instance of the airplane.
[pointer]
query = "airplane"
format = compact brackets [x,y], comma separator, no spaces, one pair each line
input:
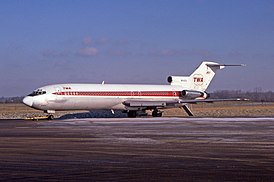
[130,98]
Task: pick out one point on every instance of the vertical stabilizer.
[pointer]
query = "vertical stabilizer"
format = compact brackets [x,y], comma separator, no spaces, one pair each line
[203,75]
[200,79]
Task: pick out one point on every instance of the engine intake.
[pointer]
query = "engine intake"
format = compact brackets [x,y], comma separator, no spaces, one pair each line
[177,80]
[192,94]
[169,79]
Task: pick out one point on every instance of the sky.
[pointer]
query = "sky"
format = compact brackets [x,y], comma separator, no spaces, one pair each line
[127,41]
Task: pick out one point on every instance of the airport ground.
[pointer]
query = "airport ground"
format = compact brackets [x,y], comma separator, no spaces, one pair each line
[223,109]
[138,149]
[226,145]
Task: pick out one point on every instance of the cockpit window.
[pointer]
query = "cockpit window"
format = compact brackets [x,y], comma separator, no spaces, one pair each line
[37,92]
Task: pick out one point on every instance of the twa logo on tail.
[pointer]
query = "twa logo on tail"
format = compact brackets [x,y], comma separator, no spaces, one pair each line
[198,79]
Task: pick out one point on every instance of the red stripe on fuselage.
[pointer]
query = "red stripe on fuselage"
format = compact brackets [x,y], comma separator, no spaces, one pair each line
[121,93]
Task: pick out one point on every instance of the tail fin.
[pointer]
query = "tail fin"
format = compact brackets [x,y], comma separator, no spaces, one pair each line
[200,79]
[203,75]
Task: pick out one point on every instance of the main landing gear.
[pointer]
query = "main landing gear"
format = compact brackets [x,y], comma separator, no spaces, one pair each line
[132,114]
[155,113]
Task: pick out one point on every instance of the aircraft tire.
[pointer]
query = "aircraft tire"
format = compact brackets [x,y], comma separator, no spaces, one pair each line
[50,117]
[156,113]
[159,114]
[132,114]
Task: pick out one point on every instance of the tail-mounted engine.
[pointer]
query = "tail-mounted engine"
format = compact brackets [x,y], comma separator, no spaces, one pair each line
[177,80]
[193,94]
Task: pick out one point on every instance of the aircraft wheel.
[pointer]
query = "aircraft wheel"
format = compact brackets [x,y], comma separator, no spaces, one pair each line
[156,113]
[50,117]
[159,114]
[132,114]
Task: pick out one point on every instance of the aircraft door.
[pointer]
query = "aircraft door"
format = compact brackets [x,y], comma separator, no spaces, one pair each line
[51,97]
[54,96]
[57,89]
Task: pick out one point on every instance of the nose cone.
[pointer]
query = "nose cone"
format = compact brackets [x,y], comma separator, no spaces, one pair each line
[28,101]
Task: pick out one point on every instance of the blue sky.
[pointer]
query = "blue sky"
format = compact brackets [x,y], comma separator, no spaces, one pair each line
[127,41]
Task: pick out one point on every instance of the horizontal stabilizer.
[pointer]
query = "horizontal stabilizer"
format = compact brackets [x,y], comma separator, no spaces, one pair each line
[221,66]
[212,65]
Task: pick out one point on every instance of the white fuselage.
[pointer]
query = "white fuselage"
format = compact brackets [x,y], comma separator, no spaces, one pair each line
[98,96]
[128,97]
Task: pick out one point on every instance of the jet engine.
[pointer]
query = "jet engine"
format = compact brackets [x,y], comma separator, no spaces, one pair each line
[177,80]
[193,94]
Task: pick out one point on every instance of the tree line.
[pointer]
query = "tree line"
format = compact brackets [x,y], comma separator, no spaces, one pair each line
[256,96]
[11,100]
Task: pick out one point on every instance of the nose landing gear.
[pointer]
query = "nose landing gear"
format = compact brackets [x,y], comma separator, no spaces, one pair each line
[50,117]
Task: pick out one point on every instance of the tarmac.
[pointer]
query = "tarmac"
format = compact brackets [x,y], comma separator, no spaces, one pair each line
[138,149]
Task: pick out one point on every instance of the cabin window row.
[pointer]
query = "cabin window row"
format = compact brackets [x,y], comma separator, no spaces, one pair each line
[120,93]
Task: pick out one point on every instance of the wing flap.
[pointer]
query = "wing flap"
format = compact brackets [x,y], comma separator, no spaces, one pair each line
[145,103]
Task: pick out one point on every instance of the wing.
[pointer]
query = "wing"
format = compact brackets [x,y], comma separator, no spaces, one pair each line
[153,104]
[146,105]
[195,101]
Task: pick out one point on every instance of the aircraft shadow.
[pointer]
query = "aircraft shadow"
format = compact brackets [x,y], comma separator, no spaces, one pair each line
[95,114]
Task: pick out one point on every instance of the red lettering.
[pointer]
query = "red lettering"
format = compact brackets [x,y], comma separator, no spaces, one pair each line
[198,79]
